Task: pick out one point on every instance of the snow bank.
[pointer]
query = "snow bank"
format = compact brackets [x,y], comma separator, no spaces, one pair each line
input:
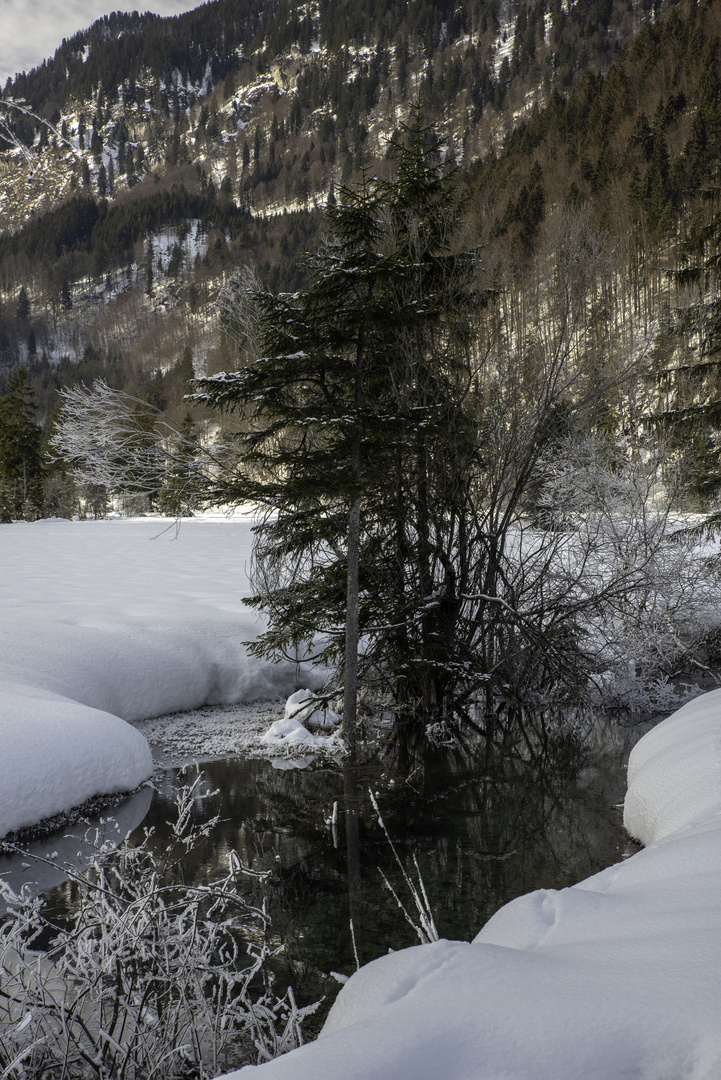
[56,753]
[674,774]
[112,621]
[75,848]
[619,975]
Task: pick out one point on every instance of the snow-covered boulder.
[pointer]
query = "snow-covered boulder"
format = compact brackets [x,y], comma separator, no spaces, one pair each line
[290,732]
[303,706]
[301,715]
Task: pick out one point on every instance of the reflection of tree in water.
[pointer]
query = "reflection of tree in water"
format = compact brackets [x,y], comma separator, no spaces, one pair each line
[485,828]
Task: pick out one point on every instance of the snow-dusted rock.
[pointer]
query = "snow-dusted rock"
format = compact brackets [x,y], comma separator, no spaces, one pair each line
[302,706]
[290,732]
[302,715]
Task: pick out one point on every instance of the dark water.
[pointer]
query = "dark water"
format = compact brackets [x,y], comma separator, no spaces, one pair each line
[482,832]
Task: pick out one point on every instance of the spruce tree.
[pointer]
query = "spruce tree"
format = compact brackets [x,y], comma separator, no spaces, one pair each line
[66,295]
[317,370]
[149,276]
[688,373]
[353,399]
[22,311]
[21,464]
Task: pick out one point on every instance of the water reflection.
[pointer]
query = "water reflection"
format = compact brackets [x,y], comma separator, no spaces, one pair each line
[351,807]
[484,830]
[41,868]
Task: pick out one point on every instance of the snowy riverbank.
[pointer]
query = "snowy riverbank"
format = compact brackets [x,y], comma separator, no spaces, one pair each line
[619,975]
[103,622]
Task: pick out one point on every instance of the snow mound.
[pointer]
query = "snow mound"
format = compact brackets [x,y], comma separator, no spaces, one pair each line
[56,753]
[289,732]
[674,773]
[103,622]
[616,976]
[301,714]
[302,706]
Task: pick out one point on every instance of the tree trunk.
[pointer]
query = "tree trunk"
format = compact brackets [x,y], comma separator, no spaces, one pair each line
[350,677]
[351,800]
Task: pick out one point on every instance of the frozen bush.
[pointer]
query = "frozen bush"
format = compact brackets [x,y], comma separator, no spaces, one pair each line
[151,977]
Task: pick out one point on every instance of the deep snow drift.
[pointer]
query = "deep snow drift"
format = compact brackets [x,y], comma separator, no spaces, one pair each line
[102,622]
[618,976]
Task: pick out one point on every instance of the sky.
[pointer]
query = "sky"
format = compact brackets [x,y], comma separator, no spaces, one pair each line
[31,30]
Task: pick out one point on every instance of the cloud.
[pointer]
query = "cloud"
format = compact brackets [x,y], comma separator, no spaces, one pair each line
[31,30]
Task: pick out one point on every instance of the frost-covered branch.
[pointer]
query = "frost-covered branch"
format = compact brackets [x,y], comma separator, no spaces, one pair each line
[238,309]
[425,926]
[119,442]
[151,977]
[8,106]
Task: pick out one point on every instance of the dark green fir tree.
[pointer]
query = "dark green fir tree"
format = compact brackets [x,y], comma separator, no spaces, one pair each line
[353,397]
[21,461]
[22,311]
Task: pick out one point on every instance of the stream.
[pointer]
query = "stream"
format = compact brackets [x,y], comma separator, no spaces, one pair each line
[482,831]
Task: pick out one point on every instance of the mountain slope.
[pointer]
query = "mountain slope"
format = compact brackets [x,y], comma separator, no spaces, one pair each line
[182,148]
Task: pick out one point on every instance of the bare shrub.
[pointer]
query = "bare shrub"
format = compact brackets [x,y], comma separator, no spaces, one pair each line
[152,978]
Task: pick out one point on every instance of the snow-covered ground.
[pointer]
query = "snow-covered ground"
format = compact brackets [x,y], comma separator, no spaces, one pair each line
[252,729]
[618,976]
[107,622]
[103,622]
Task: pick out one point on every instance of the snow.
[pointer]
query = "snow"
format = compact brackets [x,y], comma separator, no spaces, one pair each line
[104,622]
[302,705]
[303,711]
[56,753]
[619,975]
[76,848]
[506,37]
[289,732]
[675,777]
[192,241]
[107,622]
[206,734]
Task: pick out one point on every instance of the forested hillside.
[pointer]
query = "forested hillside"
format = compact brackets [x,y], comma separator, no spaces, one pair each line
[153,157]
